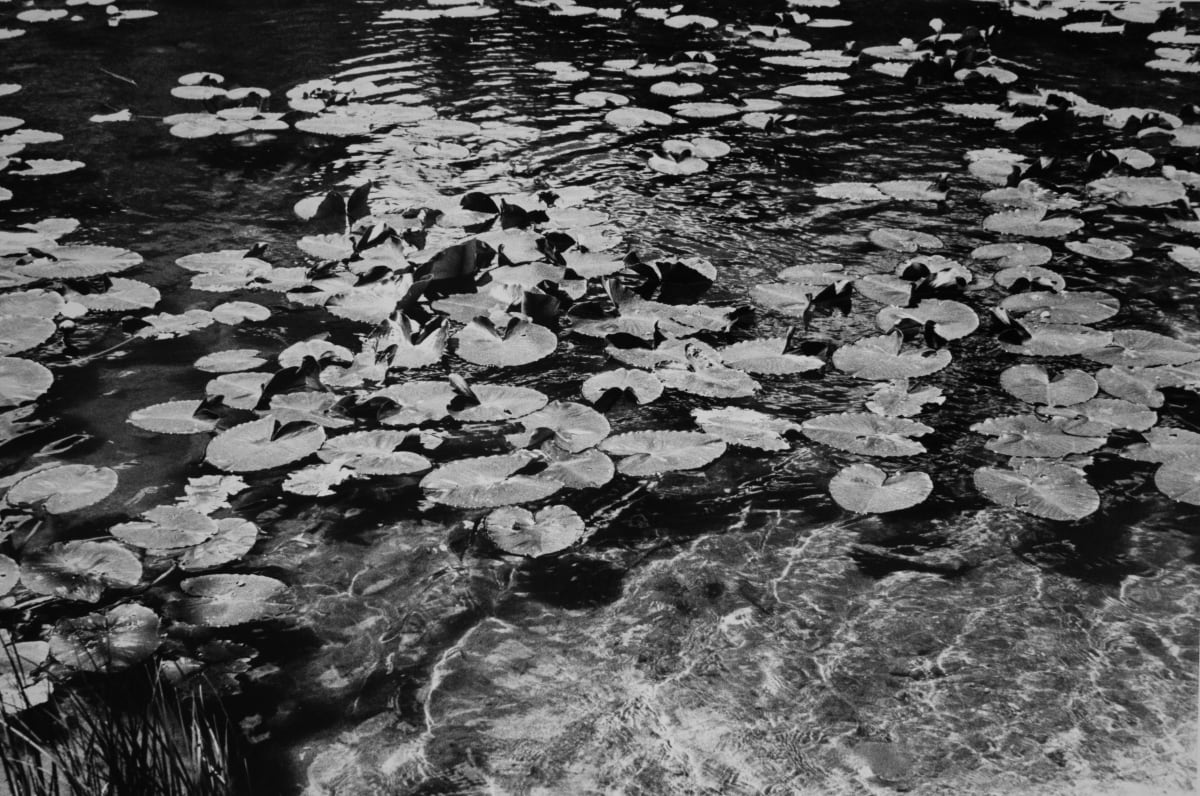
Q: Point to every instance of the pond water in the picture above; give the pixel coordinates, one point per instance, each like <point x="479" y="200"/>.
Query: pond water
<point x="726" y="628"/>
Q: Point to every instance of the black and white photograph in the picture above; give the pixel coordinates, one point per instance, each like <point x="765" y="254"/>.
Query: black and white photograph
<point x="599" y="397"/>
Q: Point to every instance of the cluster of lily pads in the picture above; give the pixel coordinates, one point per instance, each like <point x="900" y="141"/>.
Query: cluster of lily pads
<point x="73" y="11"/>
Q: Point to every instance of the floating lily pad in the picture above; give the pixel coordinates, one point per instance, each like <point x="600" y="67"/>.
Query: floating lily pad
<point x="10" y="574"/>
<point x="520" y="343"/>
<point x="868" y="434"/>
<point x="1133" y="384"/>
<point x="1137" y="191"/>
<point x="591" y="468"/>
<point x="373" y="453"/>
<point x="705" y="110"/>
<point x="1043" y="489"/>
<point x="521" y="532"/>
<point x="80" y="570"/>
<point x="642" y="386"/>
<point x="166" y="527"/>
<point x="1179" y="479"/>
<point x="64" y="488"/>
<point x="1066" y="307"/>
<point x="263" y="444"/>
<point x="234" y="538"/>
<point x="22" y="381"/>
<point x="234" y="312"/>
<point x="1031" y="223"/>
<point x="1012" y="254"/>
<point x="708" y="380"/>
<point x="1141" y="348"/>
<point x="1033" y="385"/>
<point x="1099" y="417"/>
<point x="1031" y="436"/>
<point x="767" y="356"/>
<point x="653" y="452"/>
<point x="1100" y="249"/>
<point x="1165" y="444"/>
<point x="123" y="295"/>
<point x="571" y="426"/>
<point x="950" y="319"/>
<point x="745" y="427"/>
<point x="491" y="403"/>
<point x="229" y="600"/>
<point x="894" y="399"/>
<point x="488" y="481"/>
<point x="18" y="689"/>
<point x="44" y="167"/>
<point x="904" y="240"/>
<point x="230" y="361"/>
<point x="630" y="117"/>
<point x="20" y="333"/>
<point x="1187" y="256"/>
<point x="865" y="489"/>
<point x="106" y="642"/>
<point x="881" y="357"/>
<point x="317" y="480"/>
<point x="174" y="417"/>
<point x="1059" y="340"/>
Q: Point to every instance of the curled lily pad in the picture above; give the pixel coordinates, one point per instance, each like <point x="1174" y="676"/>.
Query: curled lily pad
<point x="745" y="427"/>
<point x="642" y="386"/>
<point x="904" y="240"/>
<point x="866" y="489"/>
<point x="234" y="539"/>
<point x="1044" y="489"/>
<point x="106" y="642"/>
<point x="1033" y="385"/>
<point x="228" y="600"/>
<point x="174" y="417"/>
<point x="80" y="570"/>
<point x="263" y="444"/>
<point x="1031" y="436"/>
<point x="881" y="357"/>
<point x="22" y="381"/>
<point x="488" y="481"/>
<point x="950" y="319"/>
<point x="519" y="343"/>
<point x="1179" y="479"/>
<point x="895" y="399"/>
<point x="1141" y="348"/>
<point x="65" y="488"/>
<point x="590" y="468"/>
<point x="521" y="532"/>
<point x="655" y="452"/>
<point x="866" y="433"/>
<point x="166" y="527"/>
<point x="373" y="453"/>
<point x="1065" y="307"/>
<point x="571" y="426"/>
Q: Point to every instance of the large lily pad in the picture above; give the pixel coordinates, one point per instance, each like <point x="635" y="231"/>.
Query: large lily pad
<point x="519" y="343"/>
<point x="769" y="357"/>
<point x="373" y="453"/>
<point x="590" y="468"/>
<point x="1044" y="489"/>
<point x="571" y="426"/>
<point x="1031" y="436"/>
<point x="491" y="403"/>
<point x="1099" y="417"/>
<point x="710" y="380"/>
<point x="106" y="642"/>
<point x="866" y="433"/>
<point x="22" y="381"/>
<point x="1141" y="348"/>
<point x="1033" y="385"/>
<point x="80" y="570"/>
<point x="234" y="538"/>
<point x="174" y="417"/>
<point x="653" y="452"/>
<point x="1059" y="340"/>
<point x="1179" y="479"/>
<point x="745" y="427"/>
<point x="1164" y="445"/>
<point x="166" y="527"/>
<point x="866" y="489"/>
<point x="881" y="357"/>
<point x="227" y="600"/>
<point x="643" y="387"/>
<point x="64" y="488"/>
<point x="20" y="333"/>
<point x="521" y="532"/>
<point x="1031" y="222"/>
<point x="1137" y="191"/>
<point x="950" y="319"/>
<point x="904" y="240"/>
<point x="1065" y="307"/>
<point x="263" y="444"/>
<point x="488" y="481"/>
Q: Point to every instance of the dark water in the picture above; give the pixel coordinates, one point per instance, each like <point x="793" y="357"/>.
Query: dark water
<point x="726" y="630"/>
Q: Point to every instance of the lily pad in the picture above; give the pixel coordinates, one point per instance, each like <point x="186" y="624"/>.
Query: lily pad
<point x="1031" y="436"/>
<point x="22" y="381"/>
<point x="745" y="427"/>
<point x="1059" y="340"/>
<point x="571" y="426"/>
<point x="64" y="488"/>
<point x="488" y="481"/>
<point x="234" y="538"/>
<point x="373" y="453"/>
<point x="768" y="357"/>
<point x="866" y="433"/>
<point x="80" y="570"/>
<point x="10" y="574"/>
<point x="1031" y="223"/>
<point x="1099" y="417"/>
<point x="591" y="468"/>
<point x="642" y="386"/>
<point x="866" y="489"/>
<point x="1033" y="385"/>
<point x="174" y="417"/>
<point x="263" y="444"/>
<point x="521" y="532"/>
<point x="1136" y="384"/>
<point x="904" y="240"/>
<point x="165" y="528"/>
<point x="1141" y="348"/>
<point x="20" y="333"/>
<point x="230" y="361"/>
<point x="1179" y="479"/>
<point x="519" y="343"/>
<point x="630" y="117"/>
<point x="1100" y="249"/>
<point x="894" y="399"/>
<point x="951" y="319"/>
<point x="1013" y="254"/>
<point x="1044" y="489"/>
<point x="1066" y="307"/>
<point x="106" y="642"/>
<point x="881" y="357"/>
<point x="1165" y="444"/>
<point x="653" y="452"/>
<point x="707" y="380"/>
<point x="1137" y="191"/>
<point x="229" y="600"/>
<point x="492" y="403"/>
<point x="123" y="295"/>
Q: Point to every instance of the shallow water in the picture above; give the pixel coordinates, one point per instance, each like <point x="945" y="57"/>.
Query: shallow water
<point x="725" y="630"/>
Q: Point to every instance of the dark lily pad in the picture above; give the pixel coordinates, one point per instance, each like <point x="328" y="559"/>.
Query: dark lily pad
<point x="80" y="570"/>
<point x="1033" y="385"/>
<point x="521" y="532"/>
<point x="1031" y="436"/>
<point x="1043" y="489"/>
<point x="106" y="642"/>
<point x="64" y="488"/>
<point x="745" y="427"/>
<point x="488" y="481"/>
<point x="881" y="357"/>
<point x="866" y="433"/>
<point x="866" y="489"/>
<point x="263" y="444"/>
<point x="229" y="600"/>
<point x="647" y="453"/>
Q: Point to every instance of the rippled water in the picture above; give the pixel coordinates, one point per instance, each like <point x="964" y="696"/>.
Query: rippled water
<point x="729" y="630"/>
